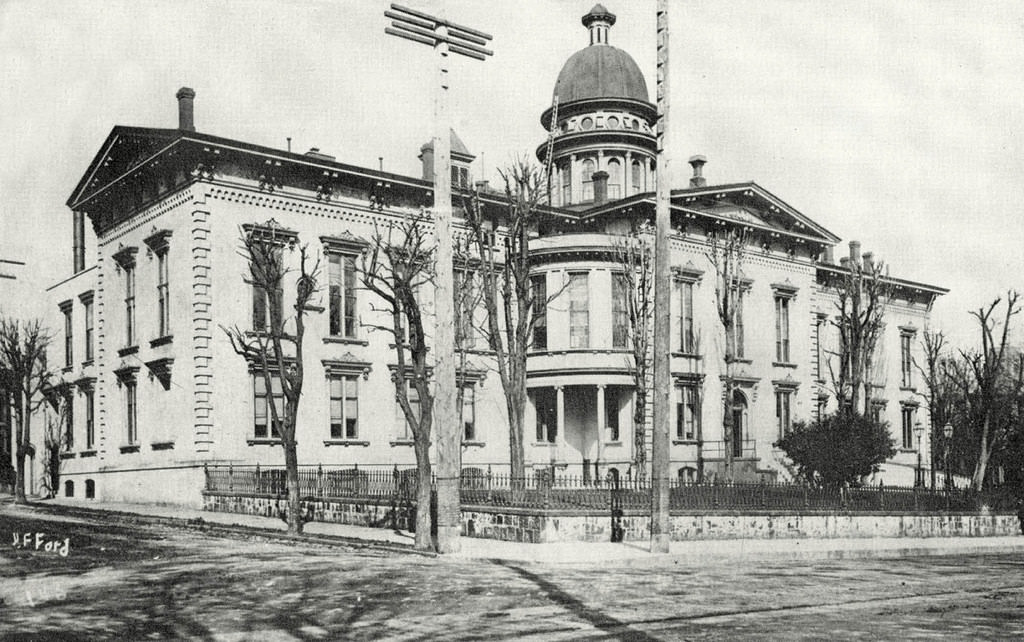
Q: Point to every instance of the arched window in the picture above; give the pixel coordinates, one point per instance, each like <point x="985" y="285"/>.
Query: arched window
<point x="588" y="180"/>
<point x="638" y="177"/>
<point x="69" y="488"/>
<point x="566" y="183"/>
<point x="687" y="475"/>
<point x="614" y="179"/>
<point x="90" y="489"/>
<point x="612" y="477"/>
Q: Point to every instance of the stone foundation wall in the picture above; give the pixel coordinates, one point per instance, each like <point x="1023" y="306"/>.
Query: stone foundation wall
<point x="539" y="526"/>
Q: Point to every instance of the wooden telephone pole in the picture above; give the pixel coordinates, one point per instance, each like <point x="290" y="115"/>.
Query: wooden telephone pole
<point x="660" y="527"/>
<point x="445" y="37"/>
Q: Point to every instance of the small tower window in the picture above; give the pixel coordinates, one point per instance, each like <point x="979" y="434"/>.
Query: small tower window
<point x="638" y="177"/>
<point x="588" y="180"/>
<point x="614" y="179"/>
<point x="587" y="123"/>
<point x="613" y="122"/>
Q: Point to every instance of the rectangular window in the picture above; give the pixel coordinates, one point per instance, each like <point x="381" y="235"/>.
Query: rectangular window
<point x="69" y="419"/>
<point x="129" y="305"/>
<point x="539" y="283"/>
<point x="579" y="313"/>
<point x="687" y="338"/>
<point x="463" y="298"/>
<point x="88" y="331"/>
<point x="782" y="329"/>
<point x="344" y="406"/>
<point x="820" y="407"/>
<point x="162" y="298"/>
<point x="611" y="412"/>
<point x="620" y="311"/>
<point x="819" y="353"/>
<point x="566" y="184"/>
<point x="131" y="411"/>
<point x="90" y="418"/>
<point x="414" y="403"/>
<point x="783" y="417"/>
<point x="876" y="412"/>
<point x="69" y="342"/>
<point x="342" y="294"/>
<point x="687" y="402"/>
<point x="908" y="426"/>
<point x="469" y="413"/>
<point x="263" y="425"/>
<point x="906" y="361"/>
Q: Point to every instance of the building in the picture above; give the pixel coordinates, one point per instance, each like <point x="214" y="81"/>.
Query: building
<point x="156" y="390"/>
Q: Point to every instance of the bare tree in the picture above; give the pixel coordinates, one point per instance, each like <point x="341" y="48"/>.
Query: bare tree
<point x="726" y="252"/>
<point x="635" y="255"/>
<point x="275" y="346"/>
<point x="939" y="393"/>
<point x="56" y="436"/>
<point x="984" y="373"/>
<point x="23" y="347"/>
<point x="514" y="307"/>
<point x="862" y="294"/>
<point x="399" y="263"/>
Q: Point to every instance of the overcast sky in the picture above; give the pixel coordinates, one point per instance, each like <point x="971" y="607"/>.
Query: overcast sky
<point x="897" y="123"/>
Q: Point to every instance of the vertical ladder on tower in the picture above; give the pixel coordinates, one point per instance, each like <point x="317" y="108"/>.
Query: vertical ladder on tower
<point x="552" y="128"/>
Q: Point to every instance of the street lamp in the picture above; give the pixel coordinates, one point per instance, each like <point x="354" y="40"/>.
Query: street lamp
<point x="947" y="432"/>
<point x="919" y="473"/>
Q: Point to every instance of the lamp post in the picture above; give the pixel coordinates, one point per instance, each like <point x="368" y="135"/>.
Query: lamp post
<point x="947" y="432"/>
<point x="919" y="473"/>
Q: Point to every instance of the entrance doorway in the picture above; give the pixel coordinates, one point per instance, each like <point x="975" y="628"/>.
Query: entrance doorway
<point x="739" y="412"/>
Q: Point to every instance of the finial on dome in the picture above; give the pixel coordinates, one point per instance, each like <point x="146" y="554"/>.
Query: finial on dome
<point x="598" y="20"/>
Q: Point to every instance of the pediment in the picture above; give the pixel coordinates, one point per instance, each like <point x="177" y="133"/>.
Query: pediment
<point x="125" y="149"/>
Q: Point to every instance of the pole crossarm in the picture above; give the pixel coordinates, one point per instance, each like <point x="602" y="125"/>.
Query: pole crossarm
<point x="423" y="28"/>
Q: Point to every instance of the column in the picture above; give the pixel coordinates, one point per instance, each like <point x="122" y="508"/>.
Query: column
<point x="627" y="176"/>
<point x="575" y="181"/>
<point x="559" y="424"/>
<point x="601" y="428"/>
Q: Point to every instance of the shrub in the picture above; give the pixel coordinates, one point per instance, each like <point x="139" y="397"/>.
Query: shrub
<point x="838" y="449"/>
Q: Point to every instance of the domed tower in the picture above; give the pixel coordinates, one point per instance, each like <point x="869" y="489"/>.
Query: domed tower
<point x="605" y="123"/>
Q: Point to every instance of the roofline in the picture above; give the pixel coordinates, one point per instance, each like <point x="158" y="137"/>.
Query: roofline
<point x="934" y="289"/>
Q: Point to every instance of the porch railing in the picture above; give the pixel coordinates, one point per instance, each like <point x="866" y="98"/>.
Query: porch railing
<point x="545" y="490"/>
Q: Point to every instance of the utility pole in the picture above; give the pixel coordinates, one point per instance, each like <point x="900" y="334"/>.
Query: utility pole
<point x="445" y="37"/>
<point x="10" y="262"/>
<point x="660" y="527"/>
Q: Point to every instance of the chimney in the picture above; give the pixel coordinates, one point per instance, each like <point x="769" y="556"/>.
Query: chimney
<point x="483" y="186"/>
<point x="844" y="261"/>
<point x="855" y="252"/>
<point x="185" y="121"/>
<point x="829" y="255"/>
<point x="697" y="163"/>
<point x="869" y="261"/>
<point x="427" y="156"/>
<point x="600" y="179"/>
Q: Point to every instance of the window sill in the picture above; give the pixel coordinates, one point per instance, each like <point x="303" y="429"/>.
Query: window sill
<point x="473" y="443"/>
<point x="908" y="389"/>
<point x="346" y="340"/>
<point x="161" y="341"/>
<point x="87" y="453"/>
<point x="783" y="364"/>
<point x="685" y="442"/>
<point x="402" y="442"/>
<point x="267" y="334"/>
<point x="130" y="448"/>
<point x="67" y="455"/>
<point x="263" y="441"/>
<point x="615" y="442"/>
<point x="345" y="442"/>
<point x="162" y="445"/>
<point x="124" y="352"/>
<point x="743" y="360"/>
<point x="907" y="450"/>
<point x="543" y="444"/>
<point x="87" y="364"/>
<point x="688" y="355"/>
<point x="67" y="368"/>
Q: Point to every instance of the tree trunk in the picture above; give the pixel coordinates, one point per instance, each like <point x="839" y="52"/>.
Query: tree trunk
<point x="516" y="405"/>
<point x="424" y="492"/>
<point x="291" y="462"/>
<point x="19" y="482"/>
<point x="727" y="427"/>
<point x="640" y="431"/>
<point x="24" y="430"/>
<point x="978" y="480"/>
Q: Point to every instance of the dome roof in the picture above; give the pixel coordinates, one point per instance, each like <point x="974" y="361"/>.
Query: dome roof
<point x="600" y="71"/>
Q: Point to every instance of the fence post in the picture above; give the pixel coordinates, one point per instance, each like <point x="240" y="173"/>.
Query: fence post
<point x="206" y="475"/>
<point x="490" y="482"/>
<point x="915" y="500"/>
<point x="257" y="480"/>
<point x="320" y="480"/>
<point x="881" y="495"/>
<point x="763" y="492"/>
<point x="231" y="477"/>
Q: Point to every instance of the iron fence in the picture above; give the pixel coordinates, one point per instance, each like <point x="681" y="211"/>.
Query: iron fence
<point x="547" y="490"/>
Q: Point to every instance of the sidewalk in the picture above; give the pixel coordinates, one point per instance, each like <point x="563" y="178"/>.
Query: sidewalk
<point x="689" y="553"/>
